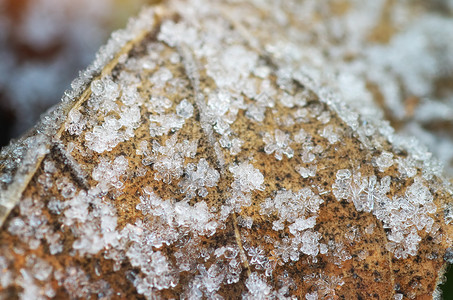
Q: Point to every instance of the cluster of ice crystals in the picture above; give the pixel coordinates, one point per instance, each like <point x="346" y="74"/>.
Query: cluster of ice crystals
<point x="159" y="104"/>
<point x="299" y="209"/>
<point x="325" y="285"/>
<point x="180" y="215"/>
<point x="204" y="176"/>
<point x="246" y="177"/>
<point x="162" y="123"/>
<point x="245" y="221"/>
<point x="107" y="136"/>
<point x="33" y="277"/>
<point x="263" y="99"/>
<point x="6" y="275"/>
<point x="119" y="122"/>
<point x="105" y="88"/>
<point x="78" y="284"/>
<point x="290" y="206"/>
<point x="108" y="174"/>
<point x="161" y="77"/>
<point x="233" y="64"/>
<point x="258" y="258"/>
<point x="364" y="192"/>
<point x="404" y="216"/>
<point x="33" y="226"/>
<point x="168" y="160"/>
<point x="257" y="287"/>
<point x="406" y="166"/>
<point x="207" y="283"/>
<point x="278" y="143"/>
<point x="307" y="172"/>
<point x="331" y="133"/>
<point x="175" y="34"/>
<point x="156" y="271"/>
<point x="309" y="151"/>
<point x="66" y="188"/>
<point x="76" y="123"/>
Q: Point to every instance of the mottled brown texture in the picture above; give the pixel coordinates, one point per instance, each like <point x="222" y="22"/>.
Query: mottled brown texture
<point x="378" y="276"/>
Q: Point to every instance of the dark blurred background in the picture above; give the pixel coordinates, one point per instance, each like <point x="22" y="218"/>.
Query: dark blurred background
<point x="43" y="45"/>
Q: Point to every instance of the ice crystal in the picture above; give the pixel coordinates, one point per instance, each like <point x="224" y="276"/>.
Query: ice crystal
<point x="184" y="109"/>
<point x="403" y="215"/>
<point x="157" y="273"/>
<point x="196" y="218"/>
<point x="107" y="136"/>
<point x="279" y="143"/>
<point x="159" y="104"/>
<point x="257" y="288"/>
<point x="325" y="285"/>
<point x="204" y="176"/>
<point x="233" y="64"/>
<point x="33" y="226"/>
<point x="289" y="205"/>
<point x="169" y="159"/>
<point x="207" y="78"/>
<point x="246" y="177"/>
<point x="331" y="133"/>
<point x="163" y="124"/>
<point x="307" y="172"/>
<point x="108" y="174"/>
<point x="384" y="161"/>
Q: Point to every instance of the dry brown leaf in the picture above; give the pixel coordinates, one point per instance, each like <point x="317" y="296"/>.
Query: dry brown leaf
<point x="202" y="156"/>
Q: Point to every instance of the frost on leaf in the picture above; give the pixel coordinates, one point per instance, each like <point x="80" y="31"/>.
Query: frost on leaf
<point x="197" y="218"/>
<point x="404" y="215"/>
<point x="163" y="173"/>
<point x="257" y="288"/>
<point x="198" y="180"/>
<point x="108" y="174"/>
<point x="246" y="178"/>
<point x="168" y="160"/>
<point x="278" y="143"/>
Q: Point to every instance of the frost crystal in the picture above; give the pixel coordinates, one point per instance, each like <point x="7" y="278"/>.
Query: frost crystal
<point x="203" y="177"/>
<point x="289" y="205"/>
<point x="384" y="161"/>
<point x="257" y="288"/>
<point x="169" y="159"/>
<point x="196" y="218"/>
<point x="157" y="271"/>
<point x="108" y="174"/>
<point x="235" y="63"/>
<point x="331" y="134"/>
<point x="246" y="178"/>
<point x="403" y="215"/>
<point x="184" y="109"/>
<point x="307" y="172"/>
<point x="279" y="143"/>
<point x="190" y="219"/>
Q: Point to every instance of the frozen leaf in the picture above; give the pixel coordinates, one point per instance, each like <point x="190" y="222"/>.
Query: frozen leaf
<point x="231" y="150"/>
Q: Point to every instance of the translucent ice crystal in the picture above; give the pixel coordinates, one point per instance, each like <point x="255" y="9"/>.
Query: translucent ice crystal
<point x="257" y="287"/>
<point x="204" y="176"/>
<point x="169" y="159"/>
<point x="246" y="177"/>
<point x="108" y="174"/>
<point x="384" y="161"/>
<point x="278" y="143"/>
<point x="184" y="109"/>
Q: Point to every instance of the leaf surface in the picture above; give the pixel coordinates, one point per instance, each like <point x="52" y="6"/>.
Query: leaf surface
<point x="207" y="153"/>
